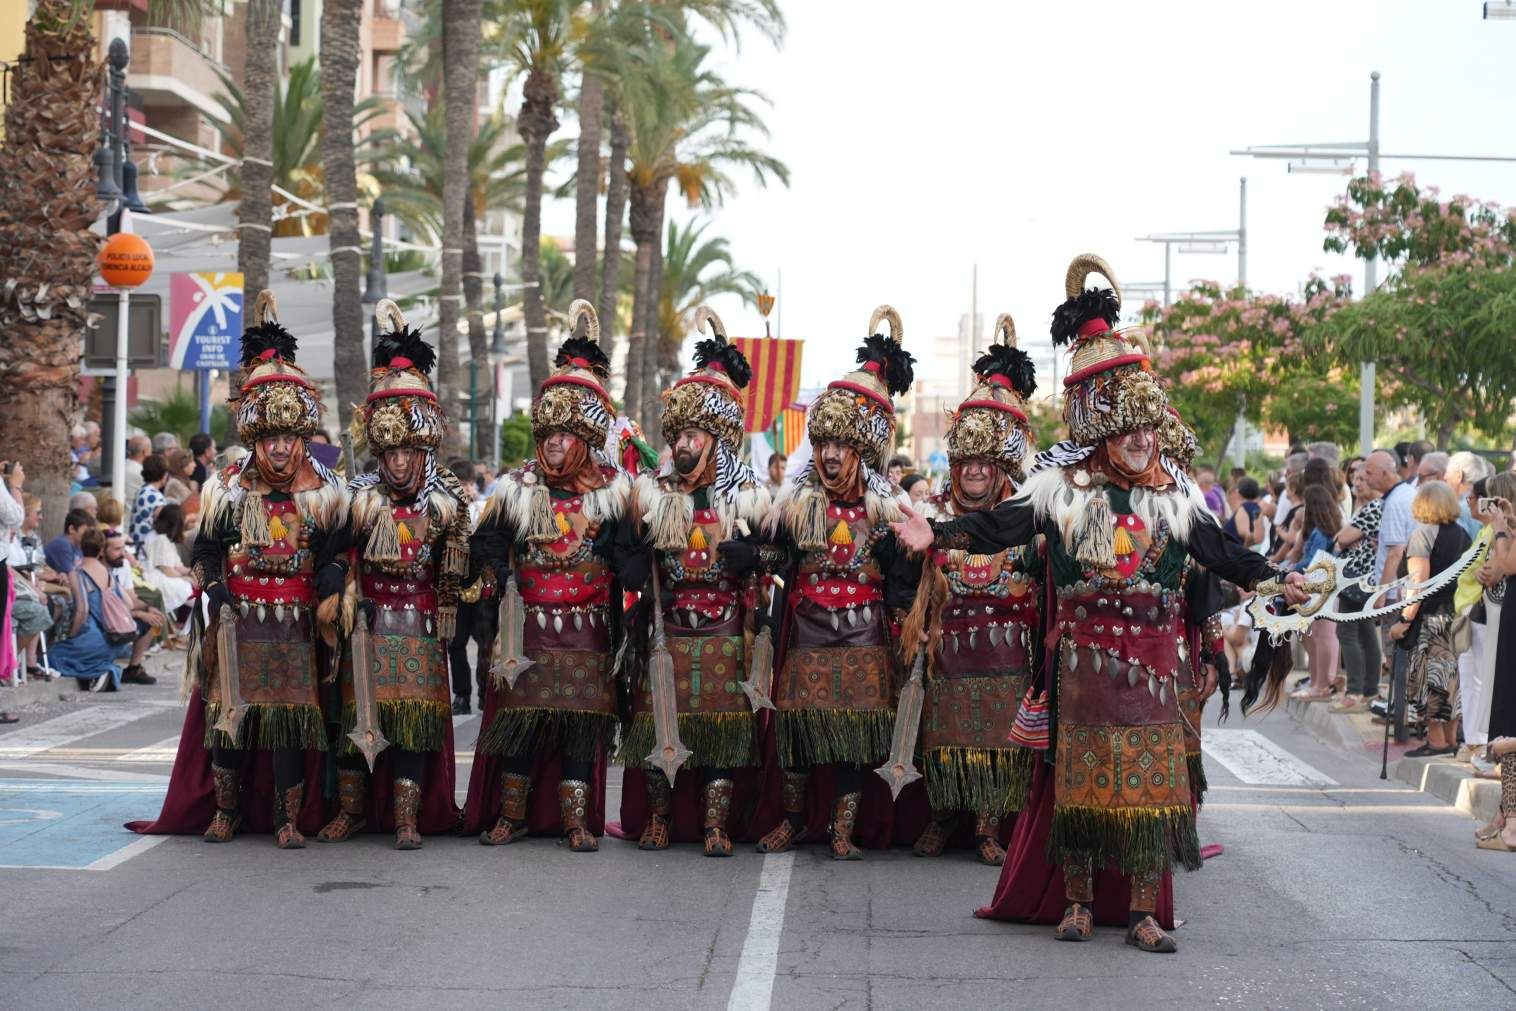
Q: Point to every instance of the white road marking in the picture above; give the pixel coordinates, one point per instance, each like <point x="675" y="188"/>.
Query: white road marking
<point x="754" y="987"/>
<point x="125" y="853"/>
<point x="81" y="772"/>
<point x="70" y="727"/>
<point x="163" y="751"/>
<point x="1255" y="759"/>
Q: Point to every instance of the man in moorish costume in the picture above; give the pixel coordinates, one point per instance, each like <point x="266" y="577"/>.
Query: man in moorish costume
<point x="409" y="533"/>
<point x="1120" y="521"/>
<point x="700" y="515"/>
<point x="982" y="613"/>
<point x="271" y="528"/>
<point x="846" y="578"/>
<point x="553" y="523"/>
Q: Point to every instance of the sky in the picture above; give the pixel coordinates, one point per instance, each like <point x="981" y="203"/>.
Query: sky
<point x="923" y="139"/>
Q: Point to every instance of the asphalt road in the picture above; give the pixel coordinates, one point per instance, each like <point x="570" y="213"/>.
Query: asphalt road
<point x="1335" y="889"/>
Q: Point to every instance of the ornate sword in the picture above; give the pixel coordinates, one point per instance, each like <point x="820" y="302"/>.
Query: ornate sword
<point x="668" y="751"/>
<point x="233" y="709"/>
<point x="366" y="735"/>
<point x="899" y="770"/>
<point x="759" y="685"/>
<point x="1325" y="581"/>
<point x="511" y="661"/>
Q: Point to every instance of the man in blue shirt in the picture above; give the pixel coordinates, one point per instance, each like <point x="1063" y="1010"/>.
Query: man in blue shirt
<point x="62" y="552"/>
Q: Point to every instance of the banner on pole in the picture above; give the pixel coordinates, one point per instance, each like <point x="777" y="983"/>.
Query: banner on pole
<point x="776" y="378"/>
<point x="205" y="320"/>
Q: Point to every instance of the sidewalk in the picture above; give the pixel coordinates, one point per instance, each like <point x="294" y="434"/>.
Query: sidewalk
<point x="1452" y="782"/>
<point x="164" y="665"/>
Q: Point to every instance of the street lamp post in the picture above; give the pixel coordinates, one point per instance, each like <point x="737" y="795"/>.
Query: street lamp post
<point x="497" y="355"/>
<point x="1339" y="158"/>
<point x="376" y="287"/>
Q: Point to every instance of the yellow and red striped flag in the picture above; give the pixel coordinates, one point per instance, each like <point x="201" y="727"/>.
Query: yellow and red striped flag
<point x="776" y="378"/>
<point x="791" y="429"/>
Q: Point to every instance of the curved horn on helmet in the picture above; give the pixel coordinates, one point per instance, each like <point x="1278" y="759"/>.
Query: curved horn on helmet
<point x="706" y="314"/>
<point x="1005" y="330"/>
<point x="887" y="312"/>
<point x="1083" y="266"/>
<point x="265" y="308"/>
<point x="388" y="311"/>
<point x="581" y="309"/>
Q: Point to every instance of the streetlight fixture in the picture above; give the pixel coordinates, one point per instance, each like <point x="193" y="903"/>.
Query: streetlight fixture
<point x="1500" y="10"/>
<point x="1345" y="154"/>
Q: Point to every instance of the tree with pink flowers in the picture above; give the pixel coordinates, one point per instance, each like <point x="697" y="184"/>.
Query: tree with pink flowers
<point x="1441" y="327"/>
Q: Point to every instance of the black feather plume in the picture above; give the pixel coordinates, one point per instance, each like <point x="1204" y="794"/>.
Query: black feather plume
<point x="718" y="350"/>
<point x="260" y="338"/>
<point x="408" y="343"/>
<point x="583" y="347"/>
<point x="1013" y="363"/>
<point x="895" y="362"/>
<point x="1093" y="303"/>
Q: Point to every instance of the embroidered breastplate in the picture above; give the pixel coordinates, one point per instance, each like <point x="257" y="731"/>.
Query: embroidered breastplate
<point x="845" y="574"/>
<point x="281" y="572"/>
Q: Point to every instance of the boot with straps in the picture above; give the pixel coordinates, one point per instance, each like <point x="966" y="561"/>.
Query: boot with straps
<point x="511" y="825"/>
<point x="350" y="819"/>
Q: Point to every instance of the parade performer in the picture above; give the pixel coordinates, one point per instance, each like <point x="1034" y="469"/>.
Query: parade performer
<point x="409" y="534"/>
<point x="700" y="515"/>
<point x="846" y="580"/>
<point x="1119" y="519"/>
<point x="982" y="612"/>
<point x="271" y="530"/>
<point x="552" y="524"/>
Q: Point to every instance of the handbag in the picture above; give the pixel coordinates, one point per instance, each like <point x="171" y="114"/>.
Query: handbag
<point x="120" y="626"/>
<point x="1031" y="727"/>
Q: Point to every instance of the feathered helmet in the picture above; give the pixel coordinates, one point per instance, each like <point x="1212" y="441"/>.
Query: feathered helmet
<point x="1110" y="388"/>
<point x="1176" y="440"/>
<point x="857" y="409"/>
<point x="992" y="423"/>
<point x="401" y="411"/>
<point x="574" y="399"/>
<point x="710" y="397"/>
<point x="274" y="395"/>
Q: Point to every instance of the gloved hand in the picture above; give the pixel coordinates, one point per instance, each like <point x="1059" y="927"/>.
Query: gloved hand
<point x="330" y="580"/>
<point x="739" y="557"/>
<point x="217" y="595"/>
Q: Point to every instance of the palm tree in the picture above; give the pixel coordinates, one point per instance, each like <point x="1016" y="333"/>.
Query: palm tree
<point x="339" y="79"/>
<point x="461" y="22"/>
<point x="538" y="36"/>
<point x="695" y="270"/>
<point x="296" y="128"/>
<point x="260" y="78"/>
<point x="687" y="126"/>
<point x="47" y="251"/>
<point x="587" y="181"/>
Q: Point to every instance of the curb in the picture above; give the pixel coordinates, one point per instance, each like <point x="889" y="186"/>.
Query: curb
<point x="1453" y="783"/>
<point x="33" y="692"/>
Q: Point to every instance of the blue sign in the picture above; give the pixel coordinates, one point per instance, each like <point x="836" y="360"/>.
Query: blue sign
<point x="205" y="320"/>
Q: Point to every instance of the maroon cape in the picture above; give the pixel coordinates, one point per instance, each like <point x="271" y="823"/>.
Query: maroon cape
<point x="482" y="808"/>
<point x="1031" y="888"/>
<point x="191" y="799"/>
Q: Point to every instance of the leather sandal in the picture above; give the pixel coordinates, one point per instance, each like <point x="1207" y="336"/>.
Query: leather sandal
<point x="1146" y="935"/>
<point x="1078" y="923"/>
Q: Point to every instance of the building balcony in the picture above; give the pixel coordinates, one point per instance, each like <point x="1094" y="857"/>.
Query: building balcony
<point x="387" y="34"/>
<point x="168" y="69"/>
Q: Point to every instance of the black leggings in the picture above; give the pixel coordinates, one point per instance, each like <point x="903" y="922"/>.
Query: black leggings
<point x="289" y="764"/>
<point x="474" y="622"/>
<point x="579" y="769"/>
<point x="404" y="764"/>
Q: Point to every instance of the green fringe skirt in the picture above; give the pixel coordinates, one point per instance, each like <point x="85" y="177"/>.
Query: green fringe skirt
<point x="810" y="737"/>
<point x="269" y="727"/>
<point x="980" y="780"/>
<point x="577" y="734"/>
<point x="715" y="740"/>
<point x="408" y="724"/>
<point x="1137" y="840"/>
<point x="1198" y="785"/>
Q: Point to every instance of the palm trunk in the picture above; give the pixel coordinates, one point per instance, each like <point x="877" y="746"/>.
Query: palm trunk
<point x="339" y="77"/>
<point x="615" y="213"/>
<point x="478" y="344"/>
<point x="652" y="353"/>
<point x="587" y="186"/>
<point x="255" y="208"/>
<point x="460" y="82"/>
<point x="536" y="123"/>
<point x="644" y="224"/>
<point x="47" y="252"/>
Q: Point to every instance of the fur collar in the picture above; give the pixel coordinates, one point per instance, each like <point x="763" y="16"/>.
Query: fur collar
<point x="667" y="514"/>
<point x="523" y="502"/>
<point x="801" y="510"/>
<point x="1054" y="497"/>
<point x="325" y="505"/>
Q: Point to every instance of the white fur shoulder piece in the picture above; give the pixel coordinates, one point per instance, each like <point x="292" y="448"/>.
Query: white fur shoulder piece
<point x="523" y="500"/>
<point x="1054" y="494"/>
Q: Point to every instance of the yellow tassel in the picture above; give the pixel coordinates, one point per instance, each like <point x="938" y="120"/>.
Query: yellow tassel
<point x="697" y="539"/>
<point x="403" y="532"/>
<point x="841" y="534"/>
<point x="1123" y="542"/>
<point x="564" y="529"/>
<point x="276" y="528"/>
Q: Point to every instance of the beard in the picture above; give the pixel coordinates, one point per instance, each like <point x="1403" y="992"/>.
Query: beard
<point x="686" y="462"/>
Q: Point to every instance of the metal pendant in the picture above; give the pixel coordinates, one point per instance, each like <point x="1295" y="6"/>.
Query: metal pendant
<point x="1131" y="676"/>
<point x="1096" y="661"/>
<point x="279" y="613"/>
<point x="994" y="636"/>
<point x="557" y="623"/>
<point x="972" y="634"/>
<point x="1152" y="684"/>
<point x="542" y="619"/>
<point x="578" y="621"/>
<point x="955" y="642"/>
<point x="836" y="624"/>
<point x="245" y="608"/>
<point x="868" y="615"/>
<point x="1163" y="690"/>
<point x="852" y="618"/>
<point x="262" y="614"/>
<point x="431" y="626"/>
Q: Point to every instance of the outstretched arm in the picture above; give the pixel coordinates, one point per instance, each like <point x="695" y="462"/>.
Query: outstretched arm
<point x="1009" y="525"/>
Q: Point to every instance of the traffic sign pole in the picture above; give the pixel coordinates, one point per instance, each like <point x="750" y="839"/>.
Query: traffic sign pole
<point x="118" y="450"/>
